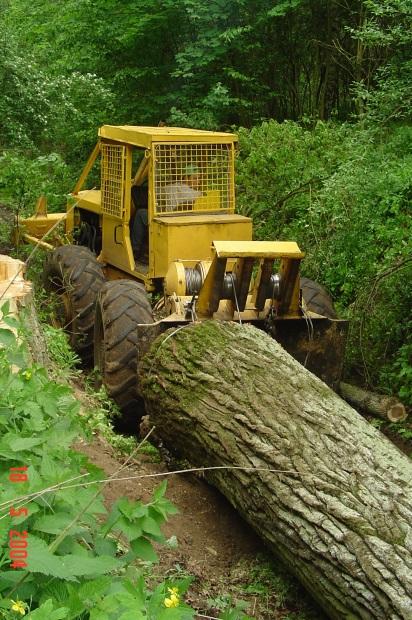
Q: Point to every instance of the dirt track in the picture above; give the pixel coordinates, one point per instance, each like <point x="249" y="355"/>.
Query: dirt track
<point x="215" y="546"/>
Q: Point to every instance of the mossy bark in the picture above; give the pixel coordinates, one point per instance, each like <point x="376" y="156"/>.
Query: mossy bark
<point x="338" y="510"/>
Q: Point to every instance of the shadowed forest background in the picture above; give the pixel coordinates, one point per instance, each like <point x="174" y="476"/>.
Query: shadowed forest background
<point x="318" y="90"/>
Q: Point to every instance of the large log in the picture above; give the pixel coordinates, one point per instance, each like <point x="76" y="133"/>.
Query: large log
<point x="338" y="510"/>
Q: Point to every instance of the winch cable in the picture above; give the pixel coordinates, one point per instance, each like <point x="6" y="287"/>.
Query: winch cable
<point x="235" y="296"/>
<point x="309" y="326"/>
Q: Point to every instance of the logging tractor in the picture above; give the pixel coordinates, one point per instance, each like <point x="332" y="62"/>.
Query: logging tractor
<point x="163" y="227"/>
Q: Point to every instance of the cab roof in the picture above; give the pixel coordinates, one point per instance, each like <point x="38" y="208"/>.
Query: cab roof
<point x="145" y="136"/>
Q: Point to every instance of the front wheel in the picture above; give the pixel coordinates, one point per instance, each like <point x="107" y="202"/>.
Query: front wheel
<point x="121" y="306"/>
<point x="74" y="277"/>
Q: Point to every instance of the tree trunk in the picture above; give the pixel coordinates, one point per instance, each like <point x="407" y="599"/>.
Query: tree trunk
<point x="386" y="407"/>
<point x="338" y="507"/>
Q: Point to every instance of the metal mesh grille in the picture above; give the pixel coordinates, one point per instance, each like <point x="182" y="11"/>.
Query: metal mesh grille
<point x="192" y="177"/>
<point x="113" y="162"/>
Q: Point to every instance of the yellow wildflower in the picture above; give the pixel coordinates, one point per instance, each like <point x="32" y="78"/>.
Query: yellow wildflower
<point x="19" y="606"/>
<point x="172" y="600"/>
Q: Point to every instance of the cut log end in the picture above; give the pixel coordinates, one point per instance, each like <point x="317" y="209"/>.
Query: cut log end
<point x="397" y="413"/>
<point x="18" y="293"/>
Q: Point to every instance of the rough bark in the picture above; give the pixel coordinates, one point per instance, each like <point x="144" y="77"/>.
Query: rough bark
<point x="338" y="508"/>
<point x="386" y="407"/>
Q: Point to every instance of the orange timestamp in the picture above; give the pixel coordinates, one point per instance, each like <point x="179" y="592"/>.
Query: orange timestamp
<point x="18" y="543"/>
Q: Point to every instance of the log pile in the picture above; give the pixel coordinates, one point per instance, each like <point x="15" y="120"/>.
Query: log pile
<point x="327" y="492"/>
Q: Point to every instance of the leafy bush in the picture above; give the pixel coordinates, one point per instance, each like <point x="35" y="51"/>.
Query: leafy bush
<point x="82" y="562"/>
<point x="23" y="178"/>
<point x="344" y="194"/>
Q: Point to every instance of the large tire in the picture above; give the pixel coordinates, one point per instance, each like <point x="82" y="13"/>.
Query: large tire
<point x="121" y="306"/>
<point x="75" y="277"/>
<point x="317" y="299"/>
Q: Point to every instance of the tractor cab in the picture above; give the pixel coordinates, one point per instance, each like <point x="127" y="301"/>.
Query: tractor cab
<point x="184" y="178"/>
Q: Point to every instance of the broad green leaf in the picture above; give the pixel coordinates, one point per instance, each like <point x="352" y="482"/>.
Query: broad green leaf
<point x="160" y="490"/>
<point x="93" y="589"/>
<point x="149" y="526"/>
<point x="46" y="612"/>
<point x="7" y="338"/>
<point x="176" y="613"/>
<point x="125" y="506"/>
<point x="56" y="523"/>
<point x="144" y="550"/>
<point x="5" y="308"/>
<point x="131" y="529"/>
<point x="11" y="321"/>
<point x="41" y="560"/>
<point x="105" y="546"/>
<point x="18" y="444"/>
<point x="89" y="566"/>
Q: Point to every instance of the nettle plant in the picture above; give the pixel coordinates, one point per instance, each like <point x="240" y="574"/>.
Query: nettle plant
<point x="72" y="559"/>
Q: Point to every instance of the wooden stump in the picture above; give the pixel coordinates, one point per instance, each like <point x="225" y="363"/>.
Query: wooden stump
<point x="18" y="292"/>
<point x="330" y="494"/>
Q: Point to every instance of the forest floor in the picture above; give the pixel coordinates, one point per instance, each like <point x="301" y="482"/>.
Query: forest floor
<point x="208" y="541"/>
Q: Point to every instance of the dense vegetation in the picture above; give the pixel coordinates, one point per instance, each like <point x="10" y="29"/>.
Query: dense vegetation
<point x="320" y="92"/>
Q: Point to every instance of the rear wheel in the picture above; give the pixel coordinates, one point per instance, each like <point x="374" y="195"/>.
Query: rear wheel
<point x="121" y="306"/>
<point x="317" y="299"/>
<point x="74" y="277"/>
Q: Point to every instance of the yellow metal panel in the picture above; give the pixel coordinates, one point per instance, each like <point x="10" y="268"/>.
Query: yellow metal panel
<point x="142" y="171"/>
<point x="70" y="220"/>
<point x="210" y="201"/>
<point x="144" y="136"/>
<point x="258" y="249"/>
<point x="39" y="242"/>
<point x="37" y="226"/>
<point x="204" y="218"/>
<point x="89" y="199"/>
<point x="116" y="246"/>
<point x="192" y="241"/>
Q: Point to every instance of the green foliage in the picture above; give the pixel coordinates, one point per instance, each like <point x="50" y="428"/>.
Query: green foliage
<point x="385" y="33"/>
<point x="64" y="360"/>
<point x="71" y="543"/>
<point x="82" y="563"/>
<point x="24" y="178"/>
<point x="344" y="193"/>
<point x="215" y="64"/>
<point x="281" y="169"/>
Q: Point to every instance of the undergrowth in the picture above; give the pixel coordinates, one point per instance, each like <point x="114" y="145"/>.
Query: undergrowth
<point x="63" y="555"/>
